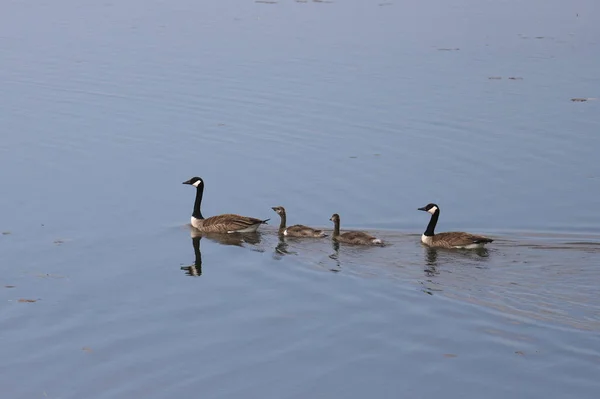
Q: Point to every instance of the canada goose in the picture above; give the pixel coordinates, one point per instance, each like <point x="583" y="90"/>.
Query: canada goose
<point x="296" y="230"/>
<point x="455" y="239"/>
<point x="352" y="237"/>
<point x="226" y="223"/>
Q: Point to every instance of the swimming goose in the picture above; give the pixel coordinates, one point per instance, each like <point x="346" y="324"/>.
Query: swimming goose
<point x="226" y="223"/>
<point x="296" y="230"/>
<point x="455" y="239"/>
<point x="352" y="237"/>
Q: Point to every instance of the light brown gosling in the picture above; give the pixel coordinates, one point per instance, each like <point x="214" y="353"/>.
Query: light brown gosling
<point x="352" y="237"/>
<point x="296" y="230"/>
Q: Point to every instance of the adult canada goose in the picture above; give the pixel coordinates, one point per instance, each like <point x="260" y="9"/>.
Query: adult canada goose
<point x="454" y="239"/>
<point x="227" y="223"/>
<point x="352" y="237"/>
<point x="296" y="230"/>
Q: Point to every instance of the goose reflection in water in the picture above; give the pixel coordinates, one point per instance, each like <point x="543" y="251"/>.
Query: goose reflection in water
<point x="281" y="249"/>
<point x="433" y="256"/>
<point x="431" y="260"/>
<point x="195" y="269"/>
<point x="459" y="261"/>
<point x="335" y="256"/>
<point x="235" y="239"/>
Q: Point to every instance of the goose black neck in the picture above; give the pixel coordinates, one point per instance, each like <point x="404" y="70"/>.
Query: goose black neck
<point x="336" y="228"/>
<point x="430" y="232"/>
<point x="283" y="221"/>
<point x="197" y="212"/>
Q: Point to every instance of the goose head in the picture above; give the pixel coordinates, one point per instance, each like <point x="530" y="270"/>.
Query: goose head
<point x="335" y="218"/>
<point x="279" y="210"/>
<point x="430" y="208"/>
<point x="195" y="181"/>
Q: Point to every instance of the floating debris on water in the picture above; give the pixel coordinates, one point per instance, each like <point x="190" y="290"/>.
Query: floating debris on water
<point x="495" y="77"/>
<point x="582" y="99"/>
<point x="5" y="233"/>
<point x="515" y="78"/>
<point x="87" y="349"/>
<point x="23" y="300"/>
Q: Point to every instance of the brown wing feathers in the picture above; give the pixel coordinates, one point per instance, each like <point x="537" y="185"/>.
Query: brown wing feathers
<point x="230" y="222"/>
<point x="459" y="239"/>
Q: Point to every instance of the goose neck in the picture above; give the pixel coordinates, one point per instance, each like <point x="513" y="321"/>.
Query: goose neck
<point x="336" y="228"/>
<point x="197" y="212"/>
<point x="430" y="232"/>
<point x="283" y="221"/>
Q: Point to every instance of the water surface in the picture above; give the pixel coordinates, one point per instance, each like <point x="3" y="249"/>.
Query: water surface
<point x="367" y="109"/>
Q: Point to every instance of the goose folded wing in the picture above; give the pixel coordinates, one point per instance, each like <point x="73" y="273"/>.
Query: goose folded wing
<point x="457" y="238"/>
<point x="231" y="221"/>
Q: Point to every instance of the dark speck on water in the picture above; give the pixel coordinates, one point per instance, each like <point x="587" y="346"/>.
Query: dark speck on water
<point x="107" y="108"/>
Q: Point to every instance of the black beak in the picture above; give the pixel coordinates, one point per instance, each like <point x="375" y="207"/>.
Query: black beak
<point x="275" y="209"/>
<point x="422" y="209"/>
<point x="187" y="182"/>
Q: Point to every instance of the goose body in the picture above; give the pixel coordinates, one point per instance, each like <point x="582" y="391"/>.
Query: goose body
<point x="453" y="239"/>
<point x="226" y="223"/>
<point x="352" y="237"/>
<point x="297" y="230"/>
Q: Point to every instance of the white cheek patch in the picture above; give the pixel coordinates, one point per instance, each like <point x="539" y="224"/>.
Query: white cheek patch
<point x="197" y="183"/>
<point x="432" y="210"/>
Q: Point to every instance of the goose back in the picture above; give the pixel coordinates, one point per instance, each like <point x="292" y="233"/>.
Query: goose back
<point x="299" y="230"/>
<point x="228" y="223"/>
<point x="357" y="238"/>
<point x="456" y="239"/>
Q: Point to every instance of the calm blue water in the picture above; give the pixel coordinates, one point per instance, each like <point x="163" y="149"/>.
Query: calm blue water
<point x="367" y="109"/>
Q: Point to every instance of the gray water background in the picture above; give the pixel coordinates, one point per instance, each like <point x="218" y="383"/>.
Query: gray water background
<point x="367" y="109"/>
